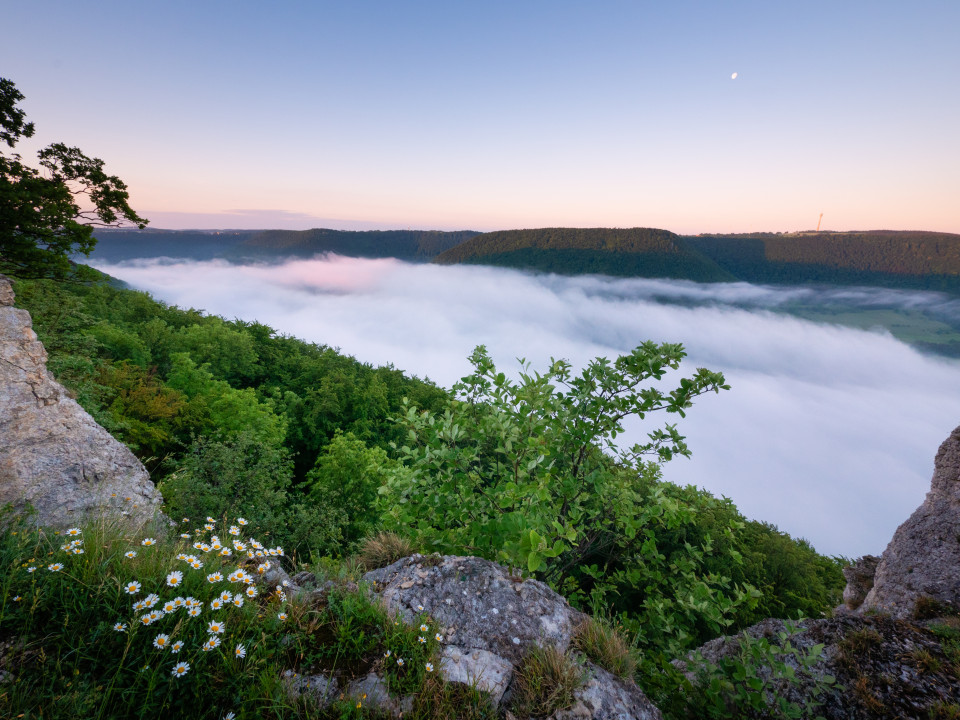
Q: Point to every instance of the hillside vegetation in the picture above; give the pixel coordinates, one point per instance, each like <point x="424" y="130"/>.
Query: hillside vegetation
<point x="320" y="452"/>
<point x="641" y="252"/>
<point x="241" y="245"/>
<point x="922" y="260"/>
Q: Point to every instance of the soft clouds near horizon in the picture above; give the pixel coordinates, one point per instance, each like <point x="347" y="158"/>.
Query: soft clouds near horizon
<point x="827" y="432"/>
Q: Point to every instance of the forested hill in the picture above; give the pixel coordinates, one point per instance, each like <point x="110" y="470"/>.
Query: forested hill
<point x="117" y="245"/>
<point x="413" y="245"/>
<point x="907" y="259"/>
<point x="912" y="259"/>
<point x="643" y="252"/>
<point x="240" y="245"/>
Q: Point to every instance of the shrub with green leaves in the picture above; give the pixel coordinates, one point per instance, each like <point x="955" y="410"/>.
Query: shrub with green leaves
<point x="529" y="473"/>
<point x="754" y="681"/>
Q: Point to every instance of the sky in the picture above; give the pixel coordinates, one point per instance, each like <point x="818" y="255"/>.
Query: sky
<point x="827" y="432"/>
<point x="498" y="115"/>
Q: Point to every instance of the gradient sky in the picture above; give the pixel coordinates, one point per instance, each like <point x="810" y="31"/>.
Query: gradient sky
<point x="505" y="114"/>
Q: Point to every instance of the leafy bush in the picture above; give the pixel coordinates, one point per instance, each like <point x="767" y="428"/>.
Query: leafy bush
<point x="347" y="477"/>
<point x="529" y="474"/>
<point x="754" y="683"/>
<point x="220" y="478"/>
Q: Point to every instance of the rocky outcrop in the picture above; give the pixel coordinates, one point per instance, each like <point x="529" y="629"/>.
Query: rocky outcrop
<point x="53" y="455"/>
<point x="859" y="576"/>
<point x="489" y="620"/>
<point x="923" y="558"/>
<point x="884" y="668"/>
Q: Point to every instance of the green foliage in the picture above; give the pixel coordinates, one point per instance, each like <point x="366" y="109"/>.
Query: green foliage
<point x="754" y="682"/>
<point x="78" y="642"/>
<point x="347" y="478"/>
<point x="42" y="222"/>
<point x="529" y="474"/>
<point x="220" y="478"/>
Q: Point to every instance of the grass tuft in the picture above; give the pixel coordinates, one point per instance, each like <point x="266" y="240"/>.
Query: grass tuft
<point x="605" y="645"/>
<point x="383" y="549"/>
<point x="545" y="682"/>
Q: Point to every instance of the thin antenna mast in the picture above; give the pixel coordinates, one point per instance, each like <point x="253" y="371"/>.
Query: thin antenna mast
<point x="819" y="221"/>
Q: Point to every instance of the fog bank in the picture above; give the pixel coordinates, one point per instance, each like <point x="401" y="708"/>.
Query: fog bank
<point x="827" y="432"/>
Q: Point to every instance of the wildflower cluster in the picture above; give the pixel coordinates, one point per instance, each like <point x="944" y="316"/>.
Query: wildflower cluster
<point x="150" y="609"/>
<point x="409" y="651"/>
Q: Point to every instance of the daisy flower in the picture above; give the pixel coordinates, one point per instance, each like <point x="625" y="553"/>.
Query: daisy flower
<point x="400" y="662"/>
<point x="151" y="599"/>
<point x="226" y="552"/>
<point x="169" y="606"/>
<point x="239" y="546"/>
<point x="191" y="601"/>
<point x="161" y="641"/>
<point x="240" y="651"/>
<point x="212" y="642"/>
<point x="216" y="627"/>
<point x="421" y="639"/>
<point x="198" y="545"/>
<point x="251" y="592"/>
<point x="419" y="608"/>
<point x="210" y="519"/>
<point x="146" y="619"/>
<point x="196" y="564"/>
<point x="429" y="667"/>
<point x="139" y="605"/>
<point x="179" y="602"/>
<point x="208" y="526"/>
<point x="132" y="588"/>
<point x="32" y="568"/>
<point x="181" y="556"/>
<point x="147" y="542"/>
<point x="438" y="637"/>
<point x="233" y="577"/>
<point x="388" y="653"/>
<point x="194" y="611"/>
<point x="73" y="532"/>
<point x="77" y="551"/>
<point x="185" y="520"/>
<point x="174" y="579"/>
<point x="204" y="547"/>
<point x="185" y="536"/>
<point x="424" y="628"/>
<point x="234" y="530"/>
<point x="237" y="600"/>
<point x="120" y="627"/>
<point x="216" y="604"/>
<point x="214" y="577"/>
<point x="229" y="716"/>
<point x="16" y="598"/>
<point x="241" y="521"/>
<point x="177" y="646"/>
<point x="55" y="567"/>
<point x="180" y="669"/>
<point x="282" y="616"/>
<point x="155" y="615"/>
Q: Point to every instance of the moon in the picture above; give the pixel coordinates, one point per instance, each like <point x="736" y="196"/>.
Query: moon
<point x="734" y="76"/>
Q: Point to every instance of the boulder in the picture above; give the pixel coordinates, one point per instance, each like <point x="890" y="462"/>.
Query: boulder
<point x="53" y="455"/>
<point x="490" y="619"/>
<point x="923" y="558"/>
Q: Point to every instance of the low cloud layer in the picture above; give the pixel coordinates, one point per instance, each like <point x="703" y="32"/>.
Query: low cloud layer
<point x="828" y="432"/>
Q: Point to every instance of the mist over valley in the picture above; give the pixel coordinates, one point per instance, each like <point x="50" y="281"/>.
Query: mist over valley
<point x="828" y="431"/>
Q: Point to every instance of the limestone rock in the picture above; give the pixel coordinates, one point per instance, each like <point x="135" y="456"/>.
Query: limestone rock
<point x="859" y="577"/>
<point x="923" y="558"/>
<point x="884" y="667"/>
<point x="52" y="453"/>
<point x="479" y="605"/>
<point x="606" y="697"/>
<point x="490" y="619"/>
